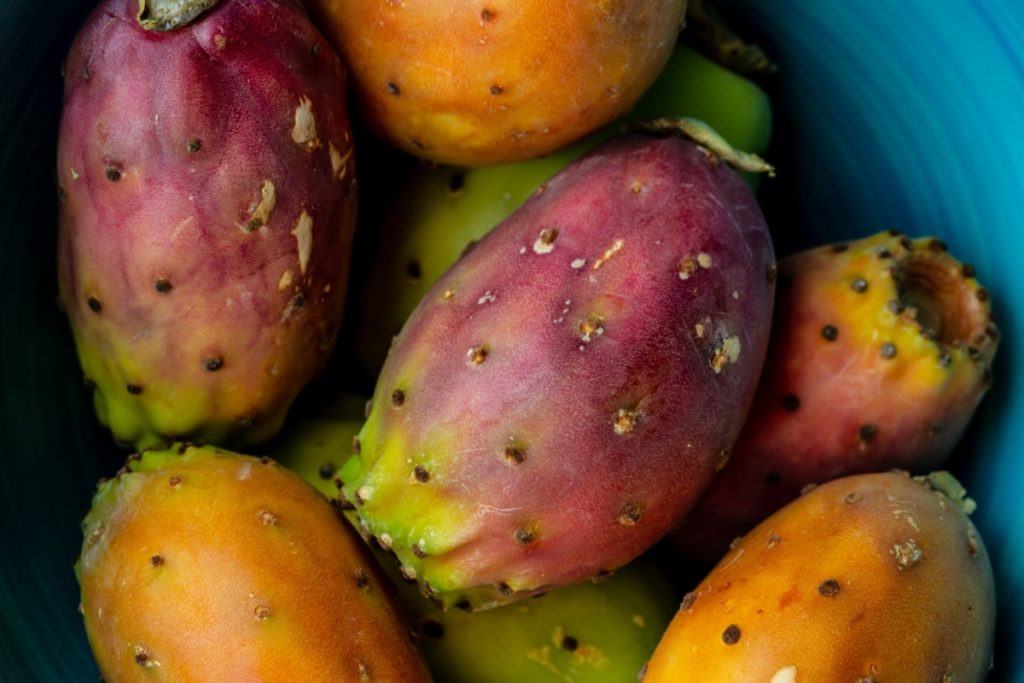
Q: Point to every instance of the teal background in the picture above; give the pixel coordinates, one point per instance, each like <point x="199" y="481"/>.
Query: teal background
<point x="905" y="115"/>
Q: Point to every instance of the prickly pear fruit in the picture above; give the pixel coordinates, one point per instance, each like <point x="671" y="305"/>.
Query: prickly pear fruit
<point x="445" y="209"/>
<point x="509" y="81"/>
<point x="880" y="353"/>
<point x="205" y="565"/>
<point x="587" y="633"/>
<point x="561" y="396"/>
<point x="207" y="204"/>
<point x="875" y="577"/>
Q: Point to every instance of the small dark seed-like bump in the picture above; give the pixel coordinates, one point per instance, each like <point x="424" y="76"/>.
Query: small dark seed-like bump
<point x="938" y="245"/>
<point x="853" y="497"/>
<point x="133" y="389"/>
<point x="357" y="445"/>
<point x="431" y="628"/>
<point x="884" y="254"/>
<point x="194" y="145"/>
<point x="464" y="605"/>
<point x="413" y="270"/>
<point x="487" y="15"/>
<point x="397" y="397"/>
<point x="262" y="612"/>
<point x="456" y="182"/>
<point x="421" y="474"/>
<point x="867" y="433"/>
<point x="773" y="540"/>
<point x="791" y="403"/>
<point x="362" y="579"/>
<point x="830" y="332"/>
<point x="688" y="601"/>
<point x="175" y="480"/>
<point x="213" y="364"/>
<point x="393" y="88"/>
<point x="113" y="174"/>
<point x="731" y="635"/>
<point x="504" y="588"/>
<point x="326" y="471"/>
<point x="497" y="89"/>
<point x="773" y="479"/>
<point x="514" y="455"/>
<point x="266" y="460"/>
<point x="829" y="588"/>
<point x="973" y="353"/>
<point x="94" y="304"/>
<point x="523" y="536"/>
<point x="860" y="285"/>
<point x="162" y="285"/>
<point x="298" y="301"/>
<point x="569" y="643"/>
<point x="630" y="514"/>
<point x="906" y="243"/>
<point x="156" y="561"/>
<point x="967" y="270"/>
<point x="840" y="248"/>
<point x="417" y="550"/>
<point x="945" y="360"/>
<point x="982" y="295"/>
<point x="888" y="350"/>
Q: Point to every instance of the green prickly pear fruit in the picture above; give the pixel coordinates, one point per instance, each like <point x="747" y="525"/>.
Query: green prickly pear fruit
<point x="205" y="565"/>
<point x="446" y="209"/>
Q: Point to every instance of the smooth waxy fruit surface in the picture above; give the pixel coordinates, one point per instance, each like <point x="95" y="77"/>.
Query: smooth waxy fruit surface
<point x="875" y="577"/>
<point x="206" y="178"/>
<point x="204" y="565"/>
<point x="483" y="83"/>
<point x="561" y="395"/>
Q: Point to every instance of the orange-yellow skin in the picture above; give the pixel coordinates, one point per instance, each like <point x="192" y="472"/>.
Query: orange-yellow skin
<point x="211" y="566"/>
<point x="816" y="593"/>
<point x="494" y="81"/>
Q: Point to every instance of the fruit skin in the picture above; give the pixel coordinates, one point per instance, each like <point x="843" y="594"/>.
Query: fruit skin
<point x="509" y="80"/>
<point x="869" y="577"/>
<point x="563" y="394"/>
<point x="587" y="633"/>
<point x="205" y="565"/>
<point x="445" y="209"/>
<point x="880" y="395"/>
<point x="205" y="218"/>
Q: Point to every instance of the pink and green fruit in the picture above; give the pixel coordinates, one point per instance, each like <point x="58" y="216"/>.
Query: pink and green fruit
<point x="880" y="353"/>
<point x="204" y="565"/>
<point x="445" y="209"/>
<point x="587" y="633"/>
<point x="874" y="577"/>
<point x="561" y="396"/>
<point x="207" y="190"/>
<point x="473" y="83"/>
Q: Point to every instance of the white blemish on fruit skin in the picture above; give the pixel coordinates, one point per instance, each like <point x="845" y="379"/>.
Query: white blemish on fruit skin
<point x="303" y="232"/>
<point x="786" y="674"/>
<point x="339" y="162"/>
<point x="244" y="471"/>
<point x="608" y="253"/>
<point x="74" y="173"/>
<point x="364" y="493"/>
<point x="304" y="130"/>
<point x="259" y="214"/>
<point x="488" y="297"/>
<point x="578" y="263"/>
<point x="704" y="260"/>
<point x="286" y="280"/>
<point x="727" y="352"/>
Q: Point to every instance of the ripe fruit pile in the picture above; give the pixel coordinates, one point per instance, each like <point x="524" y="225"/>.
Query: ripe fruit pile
<point x="596" y="350"/>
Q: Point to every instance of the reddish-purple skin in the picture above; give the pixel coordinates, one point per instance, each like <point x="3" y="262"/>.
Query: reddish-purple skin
<point x="166" y="145"/>
<point x="592" y="498"/>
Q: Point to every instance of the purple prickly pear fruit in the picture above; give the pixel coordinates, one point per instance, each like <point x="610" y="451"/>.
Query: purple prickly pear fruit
<point x="880" y="353"/>
<point x="201" y="564"/>
<point x="207" y="204"/>
<point x="561" y="396"/>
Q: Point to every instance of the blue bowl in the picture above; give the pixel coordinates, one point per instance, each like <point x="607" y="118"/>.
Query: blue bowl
<point x="905" y="115"/>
